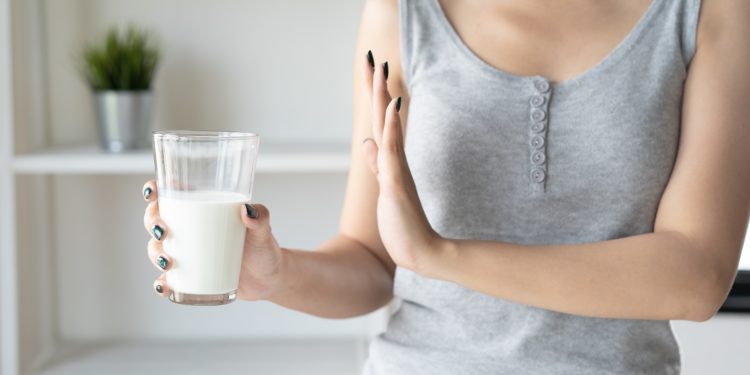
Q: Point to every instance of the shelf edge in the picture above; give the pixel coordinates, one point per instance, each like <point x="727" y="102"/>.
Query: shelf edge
<point x="40" y="165"/>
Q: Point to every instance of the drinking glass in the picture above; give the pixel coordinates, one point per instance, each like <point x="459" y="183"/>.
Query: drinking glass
<point x="203" y="180"/>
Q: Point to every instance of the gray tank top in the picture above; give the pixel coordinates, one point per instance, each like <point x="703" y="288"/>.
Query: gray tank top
<point x="501" y="157"/>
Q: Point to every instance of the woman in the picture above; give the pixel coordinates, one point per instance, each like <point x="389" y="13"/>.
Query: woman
<point x="577" y="177"/>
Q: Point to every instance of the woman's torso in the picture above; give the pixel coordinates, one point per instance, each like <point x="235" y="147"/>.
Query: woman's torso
<point x="504" y="157"/>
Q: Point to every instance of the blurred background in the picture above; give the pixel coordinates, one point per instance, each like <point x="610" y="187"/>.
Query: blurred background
<point x="75" y="283"/>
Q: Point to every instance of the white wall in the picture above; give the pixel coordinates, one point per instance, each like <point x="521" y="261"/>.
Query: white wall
<point x="281" y="68"/>
<point x="718" y="346"/>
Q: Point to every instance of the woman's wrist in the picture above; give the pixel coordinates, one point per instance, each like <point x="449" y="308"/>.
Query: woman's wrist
<point x="257" y="286"/>
<point x="277" y="281"/>
<point x="440" y="256"/>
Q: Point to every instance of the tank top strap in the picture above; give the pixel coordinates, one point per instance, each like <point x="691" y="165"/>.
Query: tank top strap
<point x="688" y="13"/>
<point x="423" y="38"/>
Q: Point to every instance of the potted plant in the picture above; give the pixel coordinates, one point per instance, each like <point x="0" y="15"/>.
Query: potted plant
<point x="120" y="70"/>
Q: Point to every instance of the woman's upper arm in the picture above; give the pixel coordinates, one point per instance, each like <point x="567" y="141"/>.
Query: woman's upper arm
<point x="379" y="32"/>
<point x="707" y="198"/>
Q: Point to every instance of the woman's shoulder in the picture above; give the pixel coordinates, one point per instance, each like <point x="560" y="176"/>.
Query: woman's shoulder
<point x="723" y="20"/>
<point x="380" y="19"/>
<point x="382" y="13"/>
<point x="389" y="4"/>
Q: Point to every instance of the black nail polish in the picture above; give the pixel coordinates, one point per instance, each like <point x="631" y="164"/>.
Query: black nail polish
<point x="147" y="192"/>
<point x="158" y="288"/>
<point x="398" y="104"/>
<point x="157" y="231"/>
<point x="385" y="70"/>
<point x="370" y="59"/>
<point x="162" y="262"/>
<point x="251" y="211"/>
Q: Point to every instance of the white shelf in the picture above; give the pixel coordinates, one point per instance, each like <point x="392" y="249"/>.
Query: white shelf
<point x="204" y="82"/>
<point x="341" y="357"/>
<point x="273" y="158"/>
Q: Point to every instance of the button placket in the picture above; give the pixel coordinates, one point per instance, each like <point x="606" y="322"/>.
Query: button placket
<point x="539" y="121"/>
<point x="537" y="100"/>
<point x="537" y="175"/>
<point x="542" y="85"/>
<point x="537" y="141"/>
<point x="538" y="158"/>
<point x="538" y="127"/>
<point x="538" y="115"/>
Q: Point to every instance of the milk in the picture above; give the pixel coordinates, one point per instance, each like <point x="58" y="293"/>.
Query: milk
<point x="204" y="241"/>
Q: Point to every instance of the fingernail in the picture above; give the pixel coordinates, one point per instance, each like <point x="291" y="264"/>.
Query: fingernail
<point x="398" y="104"/>
<point x="162" y="262"/>
<point x="251" y="212"/>
<point x="147" y="192"/>
<point x="366" y="139"/>
<point x="370" y="59"/>
<point x="385" y="70"/>
<point x="157" y="231"/>
<point x="158" y="288"/>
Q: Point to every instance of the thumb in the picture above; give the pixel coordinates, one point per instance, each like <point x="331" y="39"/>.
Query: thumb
<point x="255" y="216"/>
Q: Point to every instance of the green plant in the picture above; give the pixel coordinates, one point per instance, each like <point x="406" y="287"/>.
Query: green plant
<point x="123" y="61"/>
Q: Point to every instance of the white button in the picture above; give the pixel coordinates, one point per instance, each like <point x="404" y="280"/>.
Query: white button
<point x="542" y="85"/>
<point x="537" y="100"/>
<point x="538" y="157"/>
<point x="537" y="127"/>
<point x="538" y="175"/>
<point x="537" y="141"/>
<point x="538" y="115"/>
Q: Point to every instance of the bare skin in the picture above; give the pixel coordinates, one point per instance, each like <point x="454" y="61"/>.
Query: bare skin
<point x="683" y="270"/>
<point x="555" y="39"/>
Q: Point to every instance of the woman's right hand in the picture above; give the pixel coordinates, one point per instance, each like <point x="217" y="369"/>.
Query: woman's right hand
<point x="261" y="272"/>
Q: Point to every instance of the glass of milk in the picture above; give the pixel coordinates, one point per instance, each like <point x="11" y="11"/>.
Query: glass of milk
<point x="203" y="179"/>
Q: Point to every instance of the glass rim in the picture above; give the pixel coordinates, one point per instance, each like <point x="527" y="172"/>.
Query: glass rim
<point x="203" y="135"/>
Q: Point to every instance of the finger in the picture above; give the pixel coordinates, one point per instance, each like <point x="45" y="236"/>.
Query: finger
<point x="380" y="99"/>
<point x="257" y="219"/>
<point x="149" y="191"/>
<point x="370" y="150"/>
<point x="368" y="68"/>
<point x="158" y="230"/>
<point x="393" y="136"/>
<point x="255" y="216"/>
<point x="393" y="159"/>
<point x="151" y="215"/>
<point x="157" y="256"/>
<point x="160" y="285"/>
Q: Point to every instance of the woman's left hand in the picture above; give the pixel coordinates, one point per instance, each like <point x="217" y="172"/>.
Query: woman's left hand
<point x="403" y="226"/>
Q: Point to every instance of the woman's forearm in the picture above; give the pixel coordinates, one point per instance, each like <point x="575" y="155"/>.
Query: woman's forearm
<point x="650" y="276"/>
<point x="342" y="279"/>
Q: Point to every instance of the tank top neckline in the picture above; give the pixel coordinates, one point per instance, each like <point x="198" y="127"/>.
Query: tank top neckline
<point x="614" y="55"/>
